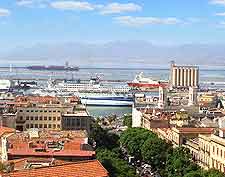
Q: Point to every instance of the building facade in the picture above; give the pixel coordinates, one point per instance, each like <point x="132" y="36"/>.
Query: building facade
<point x="212" y="152"/>
<point x="47" y="116"/>
<point x="76" y="121"/>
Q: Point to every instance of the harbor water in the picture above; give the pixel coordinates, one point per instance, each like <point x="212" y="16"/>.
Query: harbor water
<point x="214" y="76"/>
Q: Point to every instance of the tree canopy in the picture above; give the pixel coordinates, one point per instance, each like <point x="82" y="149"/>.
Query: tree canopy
<point x="168" y="161"/>
<point x="108" y="153"/>
<point x="127" y="120"/>
<point x="114" y="164"/>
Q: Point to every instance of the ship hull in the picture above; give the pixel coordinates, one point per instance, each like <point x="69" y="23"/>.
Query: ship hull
<point x="109" y="103"/>
<point x="57" y="68"/>
<point x="144" y="85"/>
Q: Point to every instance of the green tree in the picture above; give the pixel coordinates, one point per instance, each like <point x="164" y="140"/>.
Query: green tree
<point x="213" y="173"/>
<point x="154" y="151"/>
<point x="115" y="166"/>
<point x="127" y="120"/>
<point x="133" y="139"/>
<point x="103" y="138"/>
<point x="194" y="174"/>
<point x="179" y="163"/>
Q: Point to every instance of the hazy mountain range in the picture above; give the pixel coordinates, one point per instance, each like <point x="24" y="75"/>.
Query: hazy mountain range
<point x="118" y="53"/>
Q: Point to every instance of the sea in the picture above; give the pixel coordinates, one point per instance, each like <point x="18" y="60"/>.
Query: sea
<point x="210" y="76"/>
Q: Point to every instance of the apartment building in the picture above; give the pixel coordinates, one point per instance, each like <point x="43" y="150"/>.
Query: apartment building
<point x="207" y="149"/>
<point x="42" y="116"/>
<point x="179" y="136"/>
<point x="51" y="113"/>
<point x="212" y="151"/>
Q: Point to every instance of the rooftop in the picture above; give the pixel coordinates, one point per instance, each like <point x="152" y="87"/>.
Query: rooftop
<point x="92" y="168"/>
<point x="6" y="130"/>
<point x="195" y="130"/>
<point x="50" y="144"/>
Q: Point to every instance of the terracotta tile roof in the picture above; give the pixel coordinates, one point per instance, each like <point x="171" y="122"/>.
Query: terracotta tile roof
<point x="65" y="153"/>
<point x="39" y="99"/>
<point x="5" y="130"/>
<point x="19" y="164"/>
<point x="72" y="145"/>
<point x="195" y="130"/>
<point x="78" y="169"/>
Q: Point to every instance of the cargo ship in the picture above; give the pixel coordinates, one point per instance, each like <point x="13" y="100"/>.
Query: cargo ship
<point x="54" y="68"/>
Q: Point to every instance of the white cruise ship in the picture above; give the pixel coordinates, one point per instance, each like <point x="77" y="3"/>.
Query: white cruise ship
<point x="93" y="86"/>
<point x="95" y="93"/>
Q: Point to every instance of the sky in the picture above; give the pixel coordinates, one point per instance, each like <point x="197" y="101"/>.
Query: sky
<point x="163" y="22"/>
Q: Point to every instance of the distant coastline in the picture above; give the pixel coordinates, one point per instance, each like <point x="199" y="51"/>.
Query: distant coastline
<point x="202" y="68"/>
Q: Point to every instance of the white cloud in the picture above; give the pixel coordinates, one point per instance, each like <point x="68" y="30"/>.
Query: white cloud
<point x="24" y="2"/>
<point x="220" y="2"/>
<point x="222" y="24"/>
<point x="220" y="14"/>
<point x="32" y="3"/>
<point x="141" y="21"/>
<point x="72" y="5"/>
<point x="114" y="8"/>
<point x="4" y="12"/>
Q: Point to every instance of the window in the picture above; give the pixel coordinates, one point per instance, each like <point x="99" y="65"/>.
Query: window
<point x="78" y="122"/>
<point x="36" y="110"/>
<point x="217" y="152"/>
<point x="36" y="125"/>
<point x="40" y="118"/>
<point x="31" y="126"/>
<point x="49" y="126"/>
<point x="221" y="153"/>
<point x="36" y="118"/>
<point x="58" y="118"/>
<point x="73" y="122"/>
<point x="28" y="111"/>
<point x="54" y="118"/>
<point x="45" y="111"/>
<point x="49" y="118"/>
<point x="213" y="149"/>
<point x="27" y="126"/>
<point x="32" y="111"/>
<point x="21" y="110"/>
<point x="41" y="110"/>
<point x="54" y="110"/>
<point x="31" y="118"/>
<point x="45" y="118"/>
<point x="40" y="126"/>
<point x="58" y="110"/>
<point x="54" y="125"/>
<point x="21" y="117"/>
<point x="27" y="118"/>
<point x="58" y="126"/>
<point x="49" y="111"/>
<point x="45" y="125"/>
<point x="83" y="122"/>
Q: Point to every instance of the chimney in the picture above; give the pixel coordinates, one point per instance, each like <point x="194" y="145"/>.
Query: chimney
<point x="221" y="133"/>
